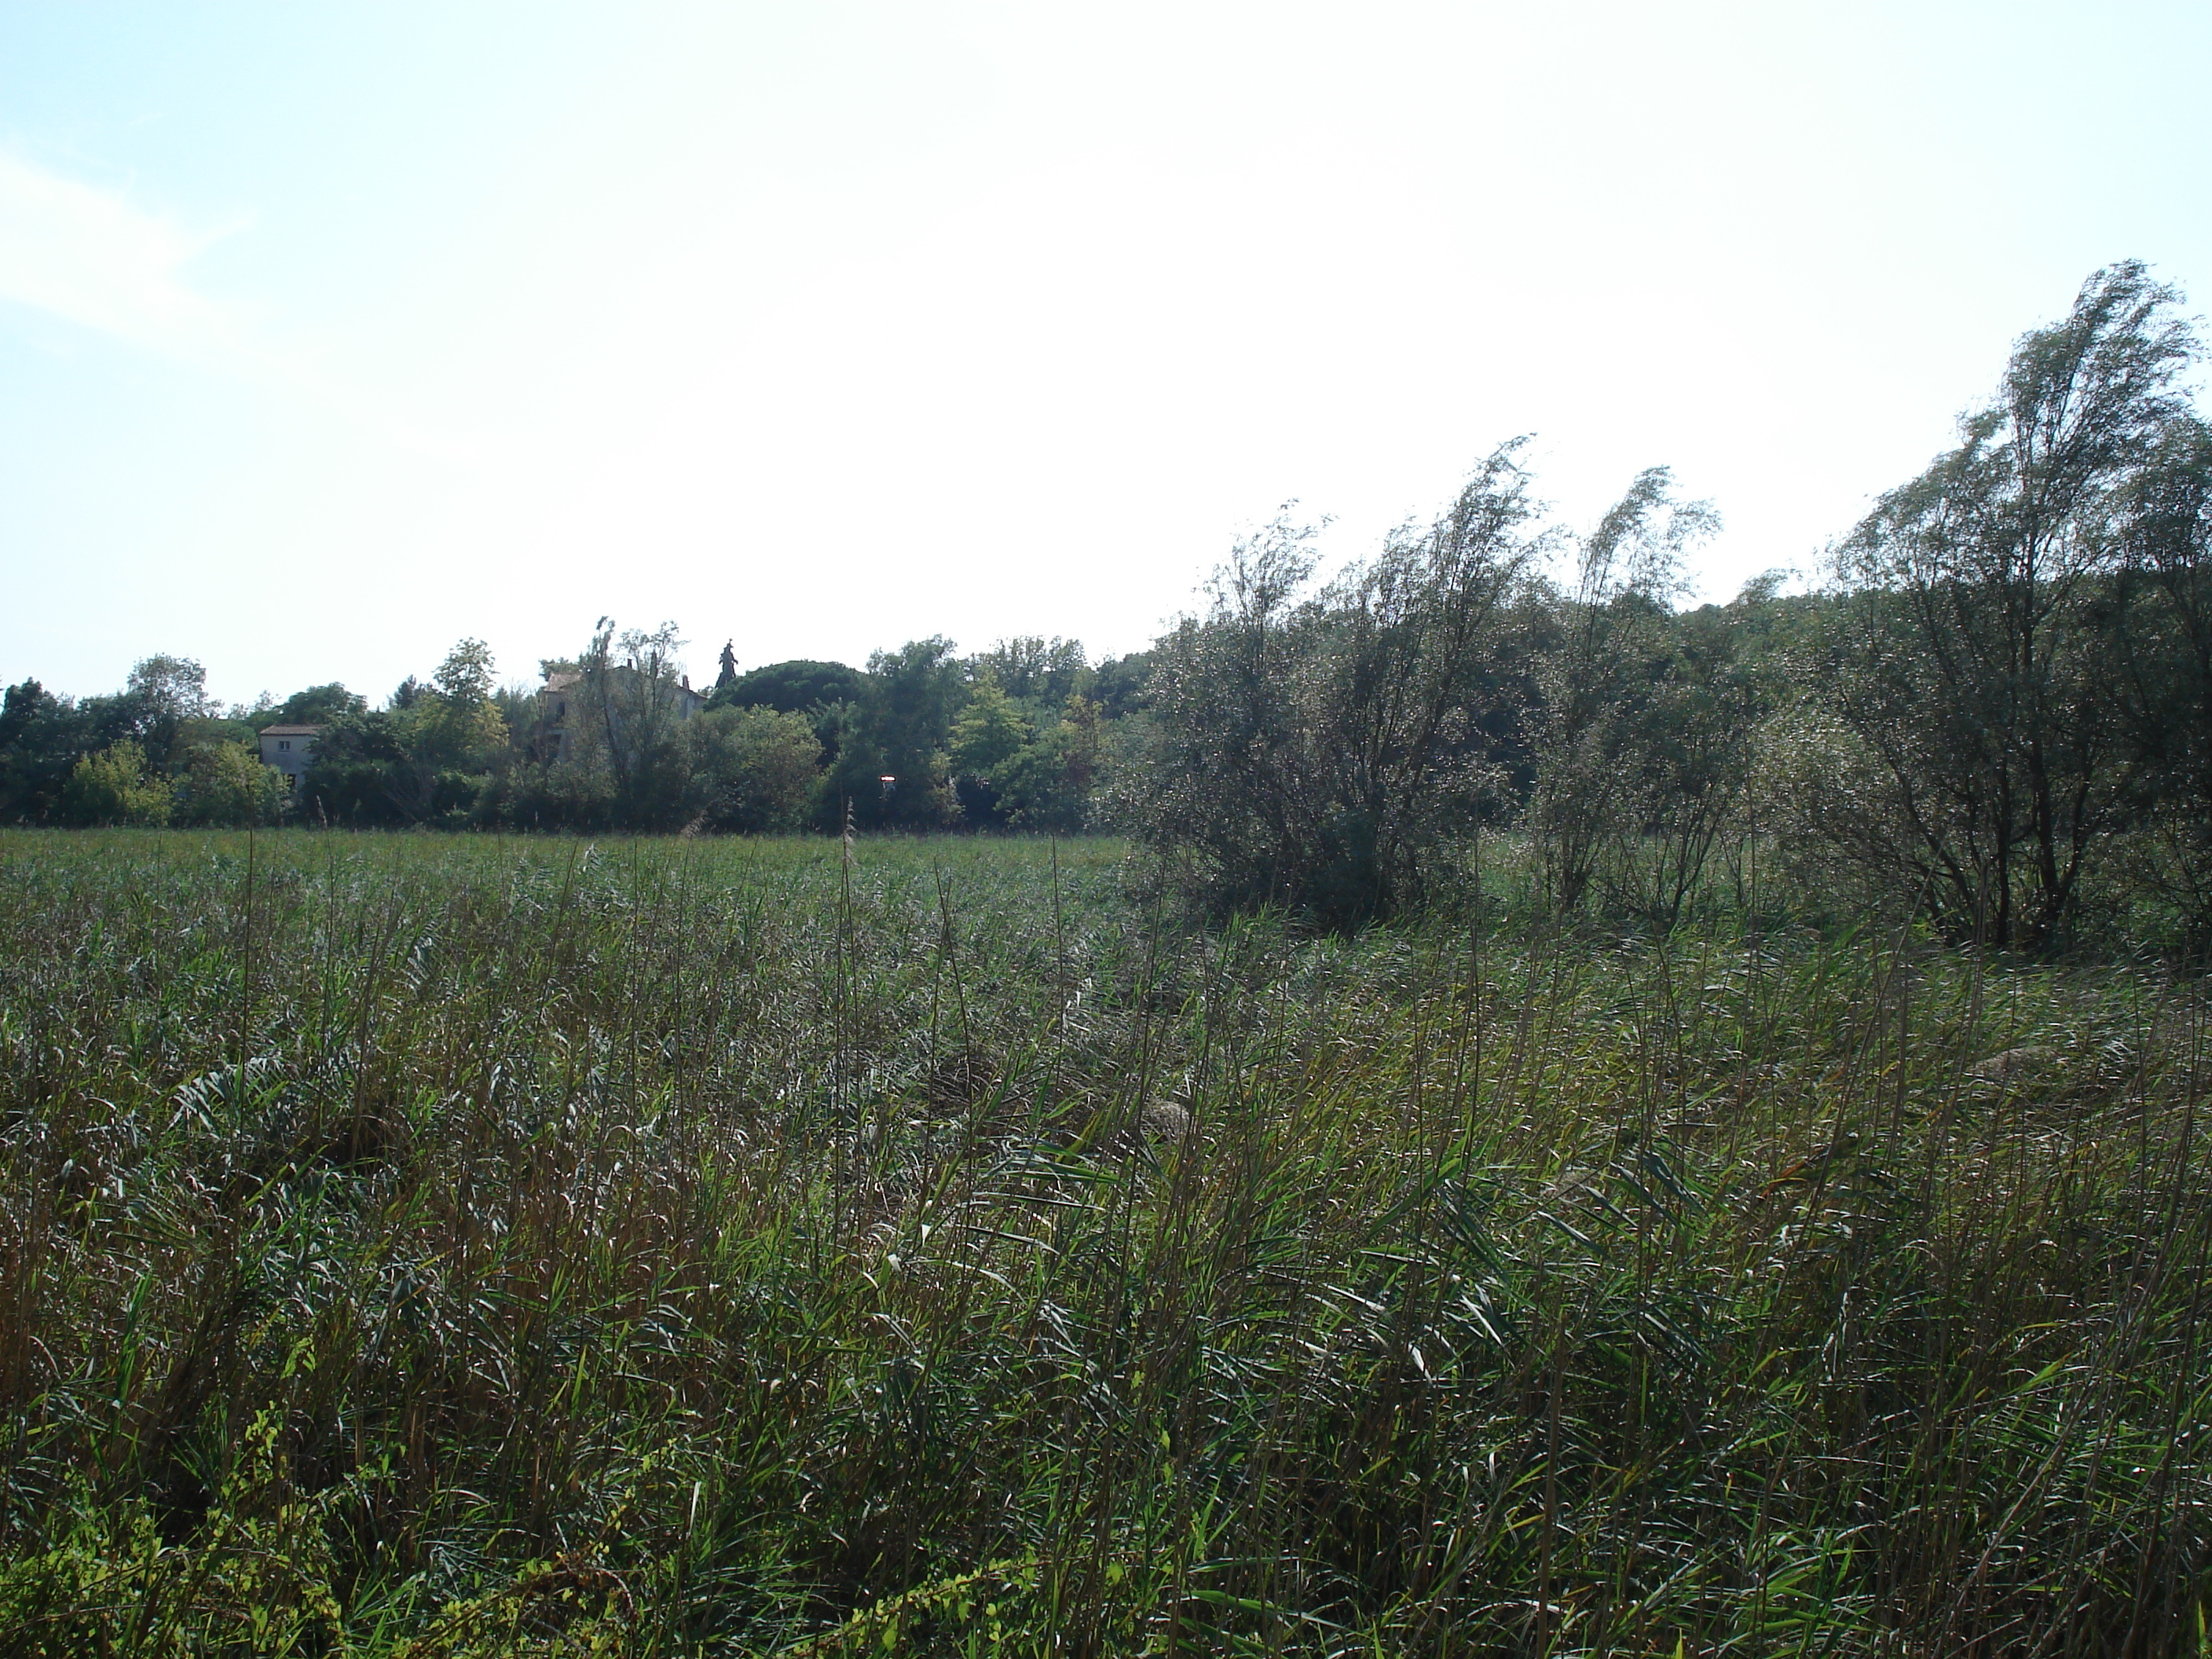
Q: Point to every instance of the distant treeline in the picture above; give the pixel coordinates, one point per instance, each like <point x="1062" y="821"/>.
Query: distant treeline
<point x="1997" y="713"/>
<point x="921" y="738"/>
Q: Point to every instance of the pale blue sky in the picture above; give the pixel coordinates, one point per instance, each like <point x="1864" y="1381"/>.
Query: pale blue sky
<point x="330" y="334"/>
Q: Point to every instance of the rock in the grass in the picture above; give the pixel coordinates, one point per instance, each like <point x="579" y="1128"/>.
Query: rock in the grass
<point x="2016" y="1065"/>
<point x="1157" y="1126"/>
<point x="1165" y="1120"/>
<point x="1571" y="1182"/>
<point x="961" y="1079"/>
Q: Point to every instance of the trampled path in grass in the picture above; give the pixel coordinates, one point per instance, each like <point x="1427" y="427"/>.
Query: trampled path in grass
<point x="448" y="1246"/>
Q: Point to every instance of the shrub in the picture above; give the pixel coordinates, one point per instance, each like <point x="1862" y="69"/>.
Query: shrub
<point x="1329" y="752"/>
<point x="752" y="770"/>
<point x="226" y="784"/>
<point x="113" y="787"/>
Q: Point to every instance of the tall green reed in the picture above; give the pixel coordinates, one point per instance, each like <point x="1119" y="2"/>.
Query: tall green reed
<point x="723" y="1247"/>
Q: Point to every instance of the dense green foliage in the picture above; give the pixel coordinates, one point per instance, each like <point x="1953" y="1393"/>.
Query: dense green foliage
<point x="2058" y="554"/>
<point x="157" y="751"/>
<point x="783" y="747"/>
<point x="791" y="688"/>
<point x="453" y="1246"/>
<point x="1328" y="754"/>
<point x="1997" y="718"/>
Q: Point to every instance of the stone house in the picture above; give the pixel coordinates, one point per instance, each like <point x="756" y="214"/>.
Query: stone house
<point x="291" y="750"/>
<point x="559" y="706"/>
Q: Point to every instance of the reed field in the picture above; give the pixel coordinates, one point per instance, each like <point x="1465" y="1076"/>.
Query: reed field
<point x="457" y="1246"/>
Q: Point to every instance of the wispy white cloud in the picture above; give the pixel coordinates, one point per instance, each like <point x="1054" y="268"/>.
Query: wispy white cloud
<point x="97" y="258"/>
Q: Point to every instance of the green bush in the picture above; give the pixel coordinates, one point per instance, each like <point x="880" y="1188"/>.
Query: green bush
<point x="752" y="770"/>
<point x="226" y="784"/>
<point x="113" y="786"/>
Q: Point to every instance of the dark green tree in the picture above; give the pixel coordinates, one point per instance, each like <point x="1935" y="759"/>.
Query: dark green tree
<point x="116" y="784"/>
<point x="315" y="706"/>
<point x="428" y="757"/>
<point x="41" y="736"/>
<point x="1978" y="678"/>
<point x="630" y="710"/>
<point x="790" y="688"/>
<point x="898" y="729"/>
<point x="1329" y="752"/>
<point x="753" y="771"/>
<point x="1117" y="685"/>
<point x="1689" y="752"/>
<point x="1032" y="669"/>
<point x="161" y="697"/>
<point x="1593" y="730"/>
<point x="1051" y="781"/>
<point x="2162" y="610"/>
<point x="989" y="733"/>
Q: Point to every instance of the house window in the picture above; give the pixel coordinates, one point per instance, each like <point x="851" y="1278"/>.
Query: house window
<point x="283" y="743"/>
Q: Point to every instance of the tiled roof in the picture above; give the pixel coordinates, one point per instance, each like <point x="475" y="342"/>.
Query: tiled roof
<point x="568" y="678"/>
<point x="290" y="731"/>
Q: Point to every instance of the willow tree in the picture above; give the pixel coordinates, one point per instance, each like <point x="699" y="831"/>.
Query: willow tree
<point x="630" y="695"/>
<point x="1978" y="678"/>
<point x="2163" y="612"/>
<point x="1326" y="750"/>
<point x="1599" y="728"/>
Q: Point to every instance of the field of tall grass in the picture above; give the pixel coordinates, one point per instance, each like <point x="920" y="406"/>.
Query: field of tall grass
<point x="457" y="1247"/>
